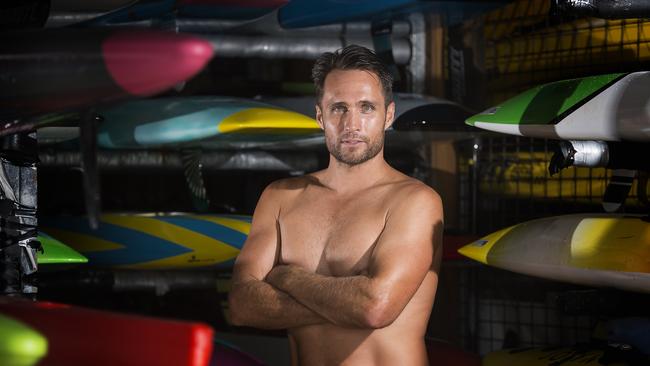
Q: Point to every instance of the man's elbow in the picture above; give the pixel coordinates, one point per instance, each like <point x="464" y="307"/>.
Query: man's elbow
<point x="379" y="315"/>
<point x="236" y="309"/>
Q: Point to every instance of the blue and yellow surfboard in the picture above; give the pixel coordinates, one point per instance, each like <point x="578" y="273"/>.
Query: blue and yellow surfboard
<point x="154" y="241"/>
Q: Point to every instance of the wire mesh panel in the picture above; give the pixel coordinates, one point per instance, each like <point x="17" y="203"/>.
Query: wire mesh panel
<point x="501" y="309"/>
<point x="505" y="180"/>
<point x="527" y="43"/>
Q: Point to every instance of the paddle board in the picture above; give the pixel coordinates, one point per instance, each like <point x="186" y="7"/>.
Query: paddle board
<point x="604" y="250"/>
<point x="609" y="107"/>
<point x="55" y="252"/>
<point x="581" y="355"/>
<point x="207" y="122"/>
<point x="80" y="336"/>
<point x="43" y="71"/>
<point x="20" y="345"/>
<point x="154" y="241"/>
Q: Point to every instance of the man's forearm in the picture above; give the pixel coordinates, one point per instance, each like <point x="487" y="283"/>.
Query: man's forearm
<point x="258" y="304"/>
<point x="344" y="301"/>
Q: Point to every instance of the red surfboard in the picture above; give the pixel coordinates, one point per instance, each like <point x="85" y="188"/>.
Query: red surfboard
<point x="81" y="336"/>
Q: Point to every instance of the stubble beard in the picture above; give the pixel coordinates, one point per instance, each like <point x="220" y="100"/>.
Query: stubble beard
<point x="354" y="157"/>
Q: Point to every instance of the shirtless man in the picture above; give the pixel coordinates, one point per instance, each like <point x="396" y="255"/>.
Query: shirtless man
<point x="346" y="259"/>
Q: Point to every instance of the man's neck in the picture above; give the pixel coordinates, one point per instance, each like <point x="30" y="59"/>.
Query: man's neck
<point x="344" y="178"/>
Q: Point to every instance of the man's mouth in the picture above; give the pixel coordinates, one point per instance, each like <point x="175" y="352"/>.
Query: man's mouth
<point x="352" y="141"/>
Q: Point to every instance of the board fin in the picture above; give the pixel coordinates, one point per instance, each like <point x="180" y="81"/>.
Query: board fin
<point x="89" y="167"/>
<point x="618" y="189"/>
<point x="194" y="178"/>
<point x="642" y="188"/>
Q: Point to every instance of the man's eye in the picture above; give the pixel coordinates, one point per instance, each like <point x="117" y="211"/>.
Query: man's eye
<point x="339" y="109"/>
<point x="366" y="108"/>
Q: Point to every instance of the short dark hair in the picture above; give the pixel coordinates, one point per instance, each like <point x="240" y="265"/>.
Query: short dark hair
<point x="352" y="57"/>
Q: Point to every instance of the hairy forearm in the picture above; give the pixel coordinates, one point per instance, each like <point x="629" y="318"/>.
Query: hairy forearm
<point x="257" y="304"/>
<point x="344" y="301"/>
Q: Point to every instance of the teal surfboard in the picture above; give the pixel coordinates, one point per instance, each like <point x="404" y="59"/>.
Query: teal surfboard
<point x="196" y="122"/>
<point x="603" y="250"/>
<point x="20" y="344"/>
<point x="611" y="107"/>
<point x="154" y="241"/>
<point x="308" y="13"/>
<point x="206" y="122"/>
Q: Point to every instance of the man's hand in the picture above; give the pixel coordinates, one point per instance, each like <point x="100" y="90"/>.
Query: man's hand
<point x="279" y="275"/>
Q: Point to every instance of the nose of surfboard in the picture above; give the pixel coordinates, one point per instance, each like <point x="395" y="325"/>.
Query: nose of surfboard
<point x="145" y="63"/>
<point x="19" y="343"/>
<point x="478" y="250"/>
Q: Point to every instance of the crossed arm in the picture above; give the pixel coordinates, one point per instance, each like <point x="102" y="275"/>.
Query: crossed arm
<point x="266" y="295"/>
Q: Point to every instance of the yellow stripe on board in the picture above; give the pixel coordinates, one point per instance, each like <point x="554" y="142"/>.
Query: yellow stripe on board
<point x="617" y="244"/>
<point x="82" y="242"/>
<point x="270" y="119"/>
<point x="238" y="225"/>
<point x="204" y="247"/>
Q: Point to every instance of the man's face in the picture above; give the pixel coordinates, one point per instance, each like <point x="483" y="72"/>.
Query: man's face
<point x="353" y="115"/>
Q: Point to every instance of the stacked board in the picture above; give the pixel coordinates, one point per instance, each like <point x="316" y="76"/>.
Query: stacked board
<point x="79" y="336"/>
<point x="153" y="241"/>
<point x="603" y="250"/>
<point x="609" y="107"/>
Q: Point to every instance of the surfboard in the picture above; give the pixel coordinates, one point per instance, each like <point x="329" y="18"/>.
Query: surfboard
<point x="20" y="344"/>
<point x="633" y="331"/>
<point x="294" y="13"/>
<point x="580" y="355"/>
<point x="41" y="71"/>
<point x="164" y="9"/>
<point x="207" y="122"/>
<point x="418" y="113"/>
<point x="603" y="250"/>
<point x="55" y="252"/>
<point x="609" y="107"/>
<point x="154" y="241"/>
<point x="307" y="13"/>
<point x="81" y="336"/>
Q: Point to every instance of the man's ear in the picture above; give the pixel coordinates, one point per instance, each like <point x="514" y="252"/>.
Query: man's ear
<point x="319" y="117"/>
<point x="390" y="115"/>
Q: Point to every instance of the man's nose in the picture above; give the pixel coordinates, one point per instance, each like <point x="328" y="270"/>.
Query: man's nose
<point x="352" y="121"/>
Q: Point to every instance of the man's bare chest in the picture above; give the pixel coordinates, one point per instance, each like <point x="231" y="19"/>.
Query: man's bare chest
<point x="331" y="237"/>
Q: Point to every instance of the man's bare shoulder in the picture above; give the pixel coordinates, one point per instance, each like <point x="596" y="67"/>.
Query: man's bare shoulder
<point x="408" y="191"/>
<point x="288" y="187"/>
<point x="404" y="187"/>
